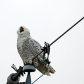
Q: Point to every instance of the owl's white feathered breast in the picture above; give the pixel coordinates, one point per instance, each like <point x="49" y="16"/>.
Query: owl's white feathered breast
<point x="28" y="47"/>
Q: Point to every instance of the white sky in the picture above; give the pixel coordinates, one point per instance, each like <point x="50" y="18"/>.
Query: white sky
<point x="46" y="19"/>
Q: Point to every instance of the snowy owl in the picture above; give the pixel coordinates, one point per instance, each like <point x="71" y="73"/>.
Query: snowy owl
<point x="29" y="48"/>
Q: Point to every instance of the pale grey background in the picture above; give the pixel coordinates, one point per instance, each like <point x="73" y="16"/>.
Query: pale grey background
<point x="46" y="19"/>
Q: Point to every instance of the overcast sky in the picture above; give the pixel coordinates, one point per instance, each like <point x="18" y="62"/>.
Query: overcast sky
<point x="46" y="20"/>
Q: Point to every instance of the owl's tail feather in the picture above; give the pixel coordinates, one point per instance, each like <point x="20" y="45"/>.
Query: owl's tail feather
<point x="51" y="69"/>
<point x="43" y="69"/>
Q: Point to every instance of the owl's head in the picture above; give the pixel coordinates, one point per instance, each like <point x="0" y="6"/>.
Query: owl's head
<point x="23" y="32"/>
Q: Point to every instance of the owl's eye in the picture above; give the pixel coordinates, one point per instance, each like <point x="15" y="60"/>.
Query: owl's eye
<point x="21" y="29"/>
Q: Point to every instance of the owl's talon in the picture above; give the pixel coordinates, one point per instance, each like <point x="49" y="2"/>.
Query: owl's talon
<point x="30" y="61"/>
<point x="25" y="63"/>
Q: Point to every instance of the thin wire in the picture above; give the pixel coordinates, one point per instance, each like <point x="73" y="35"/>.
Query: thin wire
<point x="61" y="35"/>
<point x="40" y="76"/>
<point x="67" y="31"/>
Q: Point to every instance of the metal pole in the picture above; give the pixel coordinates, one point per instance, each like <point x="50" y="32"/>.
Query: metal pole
<point x="28" y="80"/>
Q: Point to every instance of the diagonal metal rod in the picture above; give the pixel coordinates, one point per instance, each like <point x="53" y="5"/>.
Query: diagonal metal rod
<point x="61" y="35"/>
<point x="67" y="31"/>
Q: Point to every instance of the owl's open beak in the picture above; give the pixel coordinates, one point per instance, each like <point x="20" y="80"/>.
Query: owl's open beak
<point x="21" y="29"/>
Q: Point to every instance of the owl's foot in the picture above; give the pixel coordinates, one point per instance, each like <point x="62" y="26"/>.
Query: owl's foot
<point x="28" y="62"/>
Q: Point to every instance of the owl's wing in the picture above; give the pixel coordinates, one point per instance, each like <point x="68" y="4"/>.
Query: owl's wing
<point x="26" y="53"/>
<point x="35" y="48"/>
